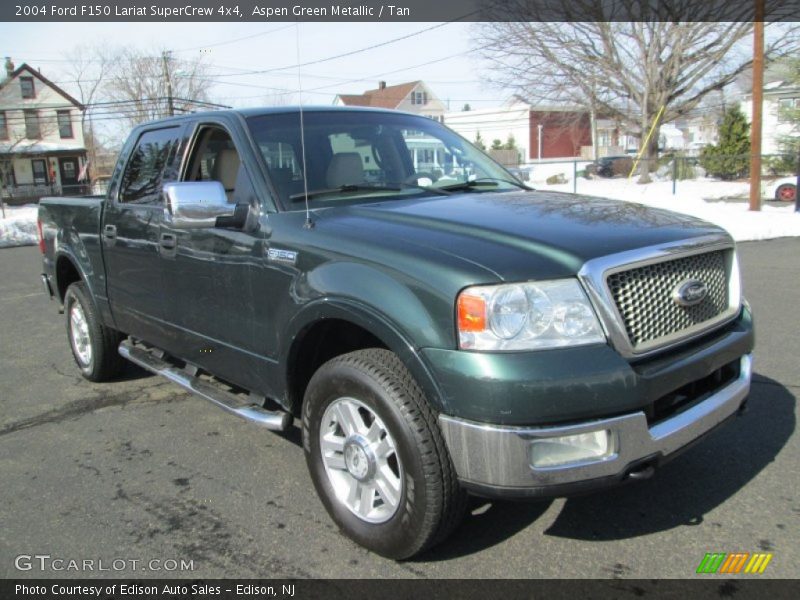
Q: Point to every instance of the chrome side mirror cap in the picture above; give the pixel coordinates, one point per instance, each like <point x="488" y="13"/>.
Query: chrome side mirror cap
<point x="196" y="204"/>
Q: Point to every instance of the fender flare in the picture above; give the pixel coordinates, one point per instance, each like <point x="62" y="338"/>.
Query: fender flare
<point x="66" y="253"/>
<point x="375" y="323"/>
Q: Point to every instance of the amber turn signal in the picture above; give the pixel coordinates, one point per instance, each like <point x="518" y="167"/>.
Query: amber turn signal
<point x="471" y="313"/>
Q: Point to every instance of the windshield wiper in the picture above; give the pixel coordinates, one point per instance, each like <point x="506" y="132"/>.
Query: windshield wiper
<point x="483" y="182"/>
<point x="364" y="187"/>
<point x="350" y="187"/>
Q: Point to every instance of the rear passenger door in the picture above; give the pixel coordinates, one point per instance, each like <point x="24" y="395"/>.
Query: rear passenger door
<point x="131" y="229"/>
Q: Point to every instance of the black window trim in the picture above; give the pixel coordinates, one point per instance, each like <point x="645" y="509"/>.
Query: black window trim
<point x="4" y="133"/>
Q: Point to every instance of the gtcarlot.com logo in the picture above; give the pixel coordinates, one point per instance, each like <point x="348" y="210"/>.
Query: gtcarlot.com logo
<point x="46" y="562"/>
<point x="723" y="563"/>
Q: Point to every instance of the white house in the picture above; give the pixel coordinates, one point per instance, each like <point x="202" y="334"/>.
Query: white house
<point x="497" y="123"/>
<point x="413" y="97"/>
<point x="777" y="94"/>
<point x="41" y="142"/>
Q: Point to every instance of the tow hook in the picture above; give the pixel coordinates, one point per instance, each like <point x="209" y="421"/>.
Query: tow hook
<point x="640" y="472"/>
<point x="743" y="407"/>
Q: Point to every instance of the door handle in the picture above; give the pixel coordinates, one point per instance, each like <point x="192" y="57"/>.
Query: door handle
<point x="168" y="241"/>
<point x="110" y="231"/>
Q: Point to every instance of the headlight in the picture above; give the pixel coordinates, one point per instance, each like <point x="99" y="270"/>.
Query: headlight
<point x="526" y="316"/>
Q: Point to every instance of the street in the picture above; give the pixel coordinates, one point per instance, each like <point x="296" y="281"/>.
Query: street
<point x="137" y="470"/>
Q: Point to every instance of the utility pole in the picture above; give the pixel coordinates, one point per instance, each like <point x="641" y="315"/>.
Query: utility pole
<point x="758" y="101"/>
<point x="593" y="121"/>
<point x="165" y="55"/>
<point x="540" y="127"/>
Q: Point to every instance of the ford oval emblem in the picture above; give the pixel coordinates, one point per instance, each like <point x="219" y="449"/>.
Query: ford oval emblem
<point x="690" y="292"/>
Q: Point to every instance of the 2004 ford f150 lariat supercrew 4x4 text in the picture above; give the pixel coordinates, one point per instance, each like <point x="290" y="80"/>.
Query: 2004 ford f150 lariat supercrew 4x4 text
<point x="438" y="327"/>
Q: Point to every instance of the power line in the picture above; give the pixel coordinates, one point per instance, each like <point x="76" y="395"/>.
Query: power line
<point x="352" y="52"/>
<point x="235" y="40"/>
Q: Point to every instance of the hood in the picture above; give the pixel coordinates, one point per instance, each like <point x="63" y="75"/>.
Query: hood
<point x="516" y="236"/>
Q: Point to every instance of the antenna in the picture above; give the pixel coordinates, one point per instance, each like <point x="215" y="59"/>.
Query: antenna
<point x="309" y="224"/>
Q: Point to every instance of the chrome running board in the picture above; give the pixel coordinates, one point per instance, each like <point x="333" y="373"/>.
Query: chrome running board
<point x="241" y="407"/>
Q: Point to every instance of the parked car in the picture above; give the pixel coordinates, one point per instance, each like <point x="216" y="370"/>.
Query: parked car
<point x="466" y="335"/>
<point x="613" y="166"/>
<point x="523" y="174"/>
<point x="783" y="190"/>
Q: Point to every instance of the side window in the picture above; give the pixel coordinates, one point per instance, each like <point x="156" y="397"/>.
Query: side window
<point x="215" y="158"/>
<point x="154" y="153"/>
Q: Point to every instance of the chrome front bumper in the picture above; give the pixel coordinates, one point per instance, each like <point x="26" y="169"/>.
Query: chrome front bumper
<point x="490" y="457"/>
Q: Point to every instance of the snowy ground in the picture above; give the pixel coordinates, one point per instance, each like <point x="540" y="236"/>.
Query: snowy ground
<point x="19" y="226"/>
<point x="723" y="203"/>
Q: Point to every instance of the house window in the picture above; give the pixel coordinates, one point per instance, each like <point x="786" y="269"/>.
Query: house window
<point x="6" y="174"/>
<point x="26" y="84"/>
<point x="39" y="167"/>
<point x="32" y="129"/>
<point x="3" y="126"/>
<point x="64" y="124"/>
<point x="786" y="106"/>
<point x="420" y="98"/>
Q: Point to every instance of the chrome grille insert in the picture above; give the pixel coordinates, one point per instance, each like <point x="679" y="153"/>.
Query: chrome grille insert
<point x="633" y="292"/>
<point x="644" y="295"/>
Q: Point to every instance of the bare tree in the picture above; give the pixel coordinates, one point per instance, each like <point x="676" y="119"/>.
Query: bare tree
<point x="627" y="64"/>
<point x="279" y="98"/>
<point x="152" y="86"/>
<point x="88" y="69"/>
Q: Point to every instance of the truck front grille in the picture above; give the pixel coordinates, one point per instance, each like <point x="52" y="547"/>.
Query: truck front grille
<point x="644" y="297"/>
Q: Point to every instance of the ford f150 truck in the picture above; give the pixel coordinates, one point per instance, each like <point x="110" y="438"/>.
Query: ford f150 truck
<point x="437" y="327"/>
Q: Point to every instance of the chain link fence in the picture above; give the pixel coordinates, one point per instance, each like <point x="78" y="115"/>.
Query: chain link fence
<point x="672" y="168"/>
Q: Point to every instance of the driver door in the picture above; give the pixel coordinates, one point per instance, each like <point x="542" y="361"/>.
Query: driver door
<point x="209" y="303"/>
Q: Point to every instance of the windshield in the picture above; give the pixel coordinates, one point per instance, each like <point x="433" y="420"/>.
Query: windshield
<point x="356" y="157"/>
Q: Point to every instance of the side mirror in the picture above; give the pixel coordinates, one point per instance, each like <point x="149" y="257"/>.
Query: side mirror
<point x="196" y="204"/>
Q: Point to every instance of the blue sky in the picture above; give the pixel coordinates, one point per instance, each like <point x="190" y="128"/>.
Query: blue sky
<point x="455" y="75"/>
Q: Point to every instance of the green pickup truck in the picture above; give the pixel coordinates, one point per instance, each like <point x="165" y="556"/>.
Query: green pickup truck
<point x="437" y="327"/>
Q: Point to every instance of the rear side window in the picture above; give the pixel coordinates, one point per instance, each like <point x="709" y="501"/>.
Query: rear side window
<point x="152" y="157"/>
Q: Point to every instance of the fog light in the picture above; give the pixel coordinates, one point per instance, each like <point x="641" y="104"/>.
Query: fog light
<point x="583" y="447"/>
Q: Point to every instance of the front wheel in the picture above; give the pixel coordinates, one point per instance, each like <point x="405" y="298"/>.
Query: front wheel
<point x="376" y="455"/>
<point x="94" y="346"/>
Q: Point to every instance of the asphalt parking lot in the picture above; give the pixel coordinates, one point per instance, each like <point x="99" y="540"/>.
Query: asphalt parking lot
<point x="137" y="470"/>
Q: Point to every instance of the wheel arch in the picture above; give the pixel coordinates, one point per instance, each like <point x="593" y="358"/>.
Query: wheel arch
<point x="67" y="272"/>
<point x="331" y="327"/>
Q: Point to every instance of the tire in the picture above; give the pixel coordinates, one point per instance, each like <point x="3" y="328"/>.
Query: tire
<point x="93" y="345"/>
<point x="385" y="476"/>
<point x="786" y="193"/>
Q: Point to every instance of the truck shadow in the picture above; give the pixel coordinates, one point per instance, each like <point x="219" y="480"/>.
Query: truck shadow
<point x="132" y="372"/>
<point x="680" y="494"/>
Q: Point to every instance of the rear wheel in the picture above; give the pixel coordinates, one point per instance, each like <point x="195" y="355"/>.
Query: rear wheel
<point x="94" y="346"/>
<point x="376" y="455"/>
<point x="786" y="193"/>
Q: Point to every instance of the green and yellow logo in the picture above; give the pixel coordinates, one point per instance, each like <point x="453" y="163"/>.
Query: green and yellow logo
<point x="734" y="563"/>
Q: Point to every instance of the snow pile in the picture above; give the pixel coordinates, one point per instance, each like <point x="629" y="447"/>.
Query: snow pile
<point x="719" y="202"/>
<point x="19" y="226"/>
